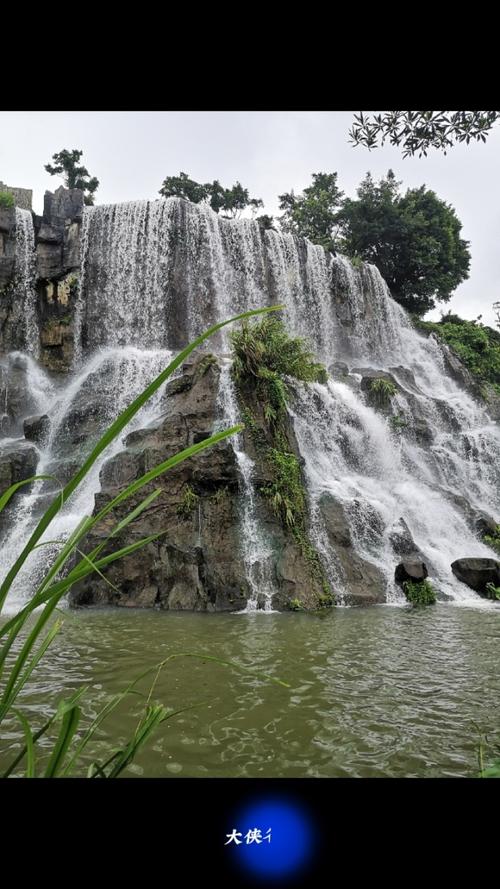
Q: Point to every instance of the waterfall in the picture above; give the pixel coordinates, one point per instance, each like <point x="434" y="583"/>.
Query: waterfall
<point x="24" y="279"/>
<point x="257" y="553"/>
<point x="155" y="274"/>
<point x="91" y="398"/>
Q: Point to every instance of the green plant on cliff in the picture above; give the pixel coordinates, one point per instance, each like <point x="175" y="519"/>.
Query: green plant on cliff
<point x="75" y="176"/>
<point x="493" y="592"/>
<point x="26" y="636"/>
<point x="420" y="592"/>
<point x="188" y="503"/>
<point x="493" y="539"/>
<point x="6" y="200"/>
<point x="382" y="390"/>
<point x="264" y="356"/>
<point x="476" y="344"/>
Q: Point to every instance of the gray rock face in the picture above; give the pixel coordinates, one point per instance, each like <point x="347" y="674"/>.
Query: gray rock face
<point x="7" y="249"/>
<point x="197" y="562"/>
<point x="18" y="461"/>
<point x="57" y="233"/>
<point x="16" y="400"/>
<point x="194" y="565"/>
<point x="410" y="570"/>
<point x="36" y="428"/>
<point x="477" y="573"/>
<point x="366" y="584"/>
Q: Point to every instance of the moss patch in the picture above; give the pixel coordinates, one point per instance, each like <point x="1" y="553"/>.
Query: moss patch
<point x="188" y="503"/>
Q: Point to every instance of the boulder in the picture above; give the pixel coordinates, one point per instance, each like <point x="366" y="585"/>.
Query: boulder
<point x="485" y="524"/>
<point x="18" y="461"/>
<point x="36" y="428"/>
<point x="477" y="573"/>
<point x="410" y="570"/>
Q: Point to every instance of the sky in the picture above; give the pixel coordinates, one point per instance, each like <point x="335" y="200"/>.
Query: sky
<point x="131" y="153"/>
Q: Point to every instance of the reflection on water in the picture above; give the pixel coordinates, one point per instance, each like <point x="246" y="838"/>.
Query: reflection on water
<point x="374" y="693"/>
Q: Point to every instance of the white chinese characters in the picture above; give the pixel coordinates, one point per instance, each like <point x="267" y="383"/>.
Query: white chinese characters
<point x="252" y="836"/>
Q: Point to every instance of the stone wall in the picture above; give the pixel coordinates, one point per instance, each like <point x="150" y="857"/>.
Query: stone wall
<point x="23" y="197"/>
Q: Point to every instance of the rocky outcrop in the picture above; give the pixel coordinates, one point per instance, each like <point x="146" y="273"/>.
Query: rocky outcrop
<point x="36" y="428"/>
<point x="411" y="570"/>
<point x="477" y="573"/>
<point x="18" y="461"/>
<point x="16" y="399"/>
<point x="197" y="562"/>
<point x="7" y="248"/>
<point x="364" y="581"/>
<point x="57" y="263"/>
<point x="57" y="236"/>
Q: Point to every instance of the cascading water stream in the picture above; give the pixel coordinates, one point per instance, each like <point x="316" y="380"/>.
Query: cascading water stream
<point x="256" y="551"/>
<point x="24" y="278"/>
<point x="156" y="274"/>
<point x="109" y="381"/>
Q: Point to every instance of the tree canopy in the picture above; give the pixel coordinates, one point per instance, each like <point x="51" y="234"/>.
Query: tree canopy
<point x="413" y="239"/>
<point x="313" y="214"/>
<point x="229" y="202"/>
<point x="417" y="131"/>
<point x="75" y="176"/>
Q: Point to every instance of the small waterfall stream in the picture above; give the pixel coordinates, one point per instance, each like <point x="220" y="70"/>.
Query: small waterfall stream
<point x="257" y="553"/>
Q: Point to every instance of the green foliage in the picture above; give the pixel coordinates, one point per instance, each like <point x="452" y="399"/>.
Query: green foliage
<point x="220" y="494"/>
<point x="6" y="200"/>
<point x="493" y="540"/>
<point x="75" y="176"/>
<point x="230" y="202"/>
<point x="398" y="422"/>
<point x="356" y="262"/>
<point x="477" y="345"/>
<point x="313" y="214"/>
<point x="417" y="131"/>
<point x="286" y="491"/>
<point x="266" y="222"/>
<point x="382" y="390"/>
<point x="414" y="240"/>
<point x="263" y="356"/>
<point x="24" y="646"/>
<point x="188" y="503"/>
<point x="266" y="346"/>
<point x="295" y="605"/>
<point x="419" y="593"/>
<point x="493" y="592"/>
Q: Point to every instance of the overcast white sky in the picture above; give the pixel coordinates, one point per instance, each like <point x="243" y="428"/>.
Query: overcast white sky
<point x="269" y="153"/>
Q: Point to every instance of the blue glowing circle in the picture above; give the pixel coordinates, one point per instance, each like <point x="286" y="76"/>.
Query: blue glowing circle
<point x="291" y="844"/>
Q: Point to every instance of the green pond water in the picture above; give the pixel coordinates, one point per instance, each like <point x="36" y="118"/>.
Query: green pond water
<point x="377" y="692"/>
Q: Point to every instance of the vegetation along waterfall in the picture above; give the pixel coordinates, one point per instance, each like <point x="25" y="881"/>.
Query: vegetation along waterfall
<point x="281" y="509"/>
<point x="395" y="460"/>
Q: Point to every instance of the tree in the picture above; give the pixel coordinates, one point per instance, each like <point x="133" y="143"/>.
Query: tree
<point x="414" y="240"/>
<point x="417" y="131"/>
<point x="230" y="202"/>
<point x="313" y="214"/>
<point x="182" y="186"/>
<point x="496" y="308"/>
<point x="66" y="163"/>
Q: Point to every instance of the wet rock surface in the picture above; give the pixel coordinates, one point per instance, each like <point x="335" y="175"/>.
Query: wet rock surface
<point x="477" y="573"/>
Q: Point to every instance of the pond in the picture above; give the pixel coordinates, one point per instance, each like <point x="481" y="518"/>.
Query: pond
<point x="376" y="692"/>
